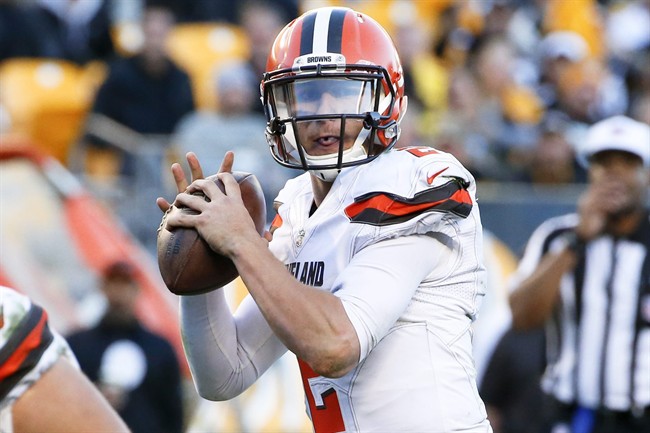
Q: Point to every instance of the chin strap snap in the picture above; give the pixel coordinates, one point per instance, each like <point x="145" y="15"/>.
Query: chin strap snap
<point x="371" y="120"/>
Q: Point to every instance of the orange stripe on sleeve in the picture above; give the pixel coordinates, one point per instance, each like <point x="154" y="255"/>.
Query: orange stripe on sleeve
<point x="32" y="341"/>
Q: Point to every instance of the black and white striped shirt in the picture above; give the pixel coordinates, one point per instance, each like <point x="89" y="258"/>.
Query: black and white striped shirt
<point x="598" y="339"/>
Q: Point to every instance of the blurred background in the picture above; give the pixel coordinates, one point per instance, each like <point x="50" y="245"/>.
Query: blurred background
<point x="99" y="97"/>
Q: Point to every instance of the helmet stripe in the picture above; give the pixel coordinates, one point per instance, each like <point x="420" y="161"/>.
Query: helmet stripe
<point x="307" y="34"/>
<point x="335" y="31"/>
<point x="321" y="31"/>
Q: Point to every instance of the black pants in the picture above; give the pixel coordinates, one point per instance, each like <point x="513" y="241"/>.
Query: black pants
<point x="560" y="415"/>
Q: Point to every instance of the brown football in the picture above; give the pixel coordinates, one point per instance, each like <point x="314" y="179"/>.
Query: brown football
<point x="187" y="264"/>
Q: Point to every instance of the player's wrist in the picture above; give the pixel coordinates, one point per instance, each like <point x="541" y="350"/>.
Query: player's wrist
<point x="244" y="245"/>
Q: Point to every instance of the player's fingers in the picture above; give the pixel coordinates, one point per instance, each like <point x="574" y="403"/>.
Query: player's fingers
<point x="163" y="204"/>
<point x="204" y="186"/>
<point x="179" y="177"/>
<point x="195" y="166"/>
<point x="177" y="218"/>
<point x="230" y="184"/>
<point x="195" y="202"/>
<point x="227" y="163"/>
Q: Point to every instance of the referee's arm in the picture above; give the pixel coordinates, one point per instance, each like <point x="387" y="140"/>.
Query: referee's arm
<point x="532" y="301"/>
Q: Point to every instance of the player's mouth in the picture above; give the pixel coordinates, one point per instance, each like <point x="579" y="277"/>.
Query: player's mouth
<point x="328" y="140"/>
<point x="325" y="144"/>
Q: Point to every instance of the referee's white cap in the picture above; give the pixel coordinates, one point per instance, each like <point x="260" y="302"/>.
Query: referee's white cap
<point x="617" y="133"/>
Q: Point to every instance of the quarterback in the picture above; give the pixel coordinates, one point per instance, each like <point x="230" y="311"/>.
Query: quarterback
<point x="371" y="273"/>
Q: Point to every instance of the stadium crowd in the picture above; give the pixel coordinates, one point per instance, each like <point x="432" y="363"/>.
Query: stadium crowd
<point x="509" y="87"/>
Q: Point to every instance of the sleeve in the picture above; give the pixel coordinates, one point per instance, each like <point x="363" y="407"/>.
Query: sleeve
<point x="28" y="346"/>
<point x="226" y="353"/>
<point x="380" y="281"/>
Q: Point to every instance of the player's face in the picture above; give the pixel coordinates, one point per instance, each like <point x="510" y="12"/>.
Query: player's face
<point x="323" y="97"/>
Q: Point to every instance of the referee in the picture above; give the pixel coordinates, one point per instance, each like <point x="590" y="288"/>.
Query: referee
<point x="586" y="277"/>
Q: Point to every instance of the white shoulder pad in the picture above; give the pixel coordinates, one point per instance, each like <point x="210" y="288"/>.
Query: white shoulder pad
<point x="415" y="190"/>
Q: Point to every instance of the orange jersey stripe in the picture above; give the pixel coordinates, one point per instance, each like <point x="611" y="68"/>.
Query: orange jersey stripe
<point x="24" y="348"/>
<point x="383" y="209"/>
<point x="276" y="223"/>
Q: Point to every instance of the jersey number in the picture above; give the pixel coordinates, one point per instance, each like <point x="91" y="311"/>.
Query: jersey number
<point x="324" y="407"/>
<point x="419" y="151"/>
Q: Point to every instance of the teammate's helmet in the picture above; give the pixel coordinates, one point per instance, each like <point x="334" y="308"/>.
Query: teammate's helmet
<point x="348" y="55"/>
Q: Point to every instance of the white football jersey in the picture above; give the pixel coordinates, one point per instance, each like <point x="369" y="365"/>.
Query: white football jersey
<point x="416" y="371"/>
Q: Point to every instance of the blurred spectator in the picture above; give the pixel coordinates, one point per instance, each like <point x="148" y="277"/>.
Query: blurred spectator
<point x="556" y="52"/>
<point x="497" y="16"/>
<point x="459" y="131"/>
<point x="510" y="386"/>
<point x="262" y="21"/>
<point x="75" y="30"/>
<point x="580" y="16"/>
<point x="19" y="30"/>
<point x="136" y="370"/>
<point x="588" y="92"/>
<point x="553" y="160"/>
<point x="641" y="108"/>
<point x="191" y="11"/>
<point x="507" y="112"/>
<point x="425" y="77"/>
<point x="628" y="28"/>
<point x="146" y="93"/>
<point x="628" y="40"/>
<point x="234" y="126"/>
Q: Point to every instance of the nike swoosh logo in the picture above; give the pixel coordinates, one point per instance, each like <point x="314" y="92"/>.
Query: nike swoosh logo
<point x="434" y="175"/>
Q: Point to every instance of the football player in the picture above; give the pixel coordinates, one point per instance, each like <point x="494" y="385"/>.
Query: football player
<point x="373" y="273"/>
<point x="41" y="386"/>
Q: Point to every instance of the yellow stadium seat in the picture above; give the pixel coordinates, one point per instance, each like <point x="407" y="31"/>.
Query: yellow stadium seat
<point x="199" y="48"/>
<point x="47" y="100"/>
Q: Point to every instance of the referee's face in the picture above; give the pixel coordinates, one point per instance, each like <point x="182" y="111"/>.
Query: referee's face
<point x="620" y="177"/>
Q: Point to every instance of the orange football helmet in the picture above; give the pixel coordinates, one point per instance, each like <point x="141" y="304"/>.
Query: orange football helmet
<point x="349" y="56"/>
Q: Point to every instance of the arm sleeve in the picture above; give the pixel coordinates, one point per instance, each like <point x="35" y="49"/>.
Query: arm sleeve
<point x="378" y="285"/>
<point x="226" y="353"/>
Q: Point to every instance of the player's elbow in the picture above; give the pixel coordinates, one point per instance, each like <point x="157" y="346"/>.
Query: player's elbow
<point x="337" y="360"/>
<point x="332" y="368"/>
<point x="210" y="389"/>
<point x="215" y="394"/>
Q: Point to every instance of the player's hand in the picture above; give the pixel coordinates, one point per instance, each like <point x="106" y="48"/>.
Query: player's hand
<point x="597" y="205"/>
<point x="196" y="172"/>
<point x="221" y="218"/>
